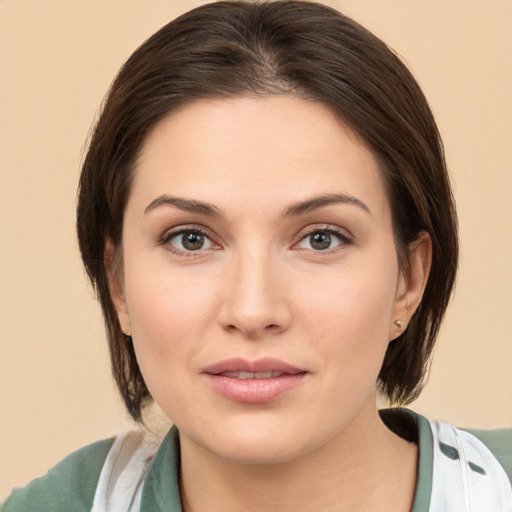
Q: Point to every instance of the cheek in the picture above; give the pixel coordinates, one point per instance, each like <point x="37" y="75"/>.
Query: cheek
<point x="165" y="302"/>
<point x="169" y="313"/>
<point x="165" y="333"/>
<point x="349" y="319"/>
<point x="355" y="300"/>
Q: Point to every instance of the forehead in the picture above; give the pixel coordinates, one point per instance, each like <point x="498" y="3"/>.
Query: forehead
<point x="270" y="149"/>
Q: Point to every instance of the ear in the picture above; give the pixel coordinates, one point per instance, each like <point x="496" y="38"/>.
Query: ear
<point x="113" y="265"/>
<point x="411" y="284"/>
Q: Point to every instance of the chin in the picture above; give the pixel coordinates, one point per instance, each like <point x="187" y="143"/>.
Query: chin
<point x="259" y="451"/>
<point x="255" y="442"/>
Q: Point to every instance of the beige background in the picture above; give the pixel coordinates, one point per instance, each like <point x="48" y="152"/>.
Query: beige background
<point x="56" y="61"/>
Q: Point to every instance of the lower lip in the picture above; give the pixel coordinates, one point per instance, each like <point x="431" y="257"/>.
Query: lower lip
<point x="254" y="391"/>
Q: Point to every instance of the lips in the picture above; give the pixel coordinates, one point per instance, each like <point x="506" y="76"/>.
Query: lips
<point x="253" y="382"/>
<point x="253" y="375"/>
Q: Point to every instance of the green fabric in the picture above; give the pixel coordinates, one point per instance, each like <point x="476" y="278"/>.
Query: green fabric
<point x="70" y="486"/>
<point x="67" y="487"/>
<point x="499" y="441"/>
<point x="161" y="490"/>
<point x="425" y="465"/>
<point x="415" y="428"/>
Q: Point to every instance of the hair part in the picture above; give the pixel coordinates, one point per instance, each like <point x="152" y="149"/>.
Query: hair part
<point x="227" y="49"/>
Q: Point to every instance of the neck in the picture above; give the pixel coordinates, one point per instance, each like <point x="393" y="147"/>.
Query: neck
<point x="365" y="467"/>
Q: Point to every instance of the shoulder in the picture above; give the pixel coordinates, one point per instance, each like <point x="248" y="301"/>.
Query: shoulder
<point x="70" y="485"/>
<point x="496" y="441"/>
<point x="499" y="442"/>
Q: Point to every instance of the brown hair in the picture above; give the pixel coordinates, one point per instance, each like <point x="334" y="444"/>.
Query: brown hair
<point x="286" y="47"/>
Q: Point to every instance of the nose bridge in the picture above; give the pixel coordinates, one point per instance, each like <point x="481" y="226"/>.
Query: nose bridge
<point x="254" y="302"/>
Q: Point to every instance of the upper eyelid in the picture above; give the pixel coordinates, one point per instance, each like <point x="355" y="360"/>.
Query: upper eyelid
<point x="177" y="230"/>
<point x="342" y="232"/>
<point x="345" y="239"/>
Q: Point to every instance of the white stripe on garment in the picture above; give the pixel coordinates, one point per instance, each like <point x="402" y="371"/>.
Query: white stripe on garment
<point x="122" y="477"/>
<point x="456" y="487"/>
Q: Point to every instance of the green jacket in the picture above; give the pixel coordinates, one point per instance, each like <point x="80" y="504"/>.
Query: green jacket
<point x="71" y="484"/>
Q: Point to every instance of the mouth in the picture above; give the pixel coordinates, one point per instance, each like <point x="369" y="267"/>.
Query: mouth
<point x="271" y="374"/>
<point x="253" y="382"/>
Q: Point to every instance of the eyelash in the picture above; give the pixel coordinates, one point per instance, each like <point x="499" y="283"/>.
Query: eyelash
<point x="169" y="235"/>
<point x="329" y="230"/>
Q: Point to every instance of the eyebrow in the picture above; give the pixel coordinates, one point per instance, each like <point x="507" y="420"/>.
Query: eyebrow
<point x="191" y="205"/>
<point x="324" y="200"/>
<point x="188" y="205"/>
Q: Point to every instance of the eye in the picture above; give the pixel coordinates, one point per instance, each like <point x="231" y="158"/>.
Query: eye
<point x="323" y="239"/>
<point x="188" y="240"/>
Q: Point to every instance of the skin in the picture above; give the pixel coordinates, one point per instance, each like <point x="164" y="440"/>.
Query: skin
<point x="260" y="286"/>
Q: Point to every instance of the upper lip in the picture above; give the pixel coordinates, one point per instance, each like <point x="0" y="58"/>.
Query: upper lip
<point x="260" y="365"/>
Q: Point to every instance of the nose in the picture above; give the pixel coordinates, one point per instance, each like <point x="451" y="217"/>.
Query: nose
<point x="254" y="301"/>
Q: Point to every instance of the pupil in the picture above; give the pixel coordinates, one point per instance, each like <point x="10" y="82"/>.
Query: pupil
<point x="193" y="241"/>
<point x="320" y="241"/>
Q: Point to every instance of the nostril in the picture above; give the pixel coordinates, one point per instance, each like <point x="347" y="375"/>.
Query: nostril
<point x="254" y="332"/>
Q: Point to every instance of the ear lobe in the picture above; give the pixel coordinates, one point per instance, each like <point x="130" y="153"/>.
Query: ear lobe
<point x="113" y="266"/>
<point x="411" y="285"/>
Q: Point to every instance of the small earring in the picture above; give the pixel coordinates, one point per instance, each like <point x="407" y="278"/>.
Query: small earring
<point x="399" y="323"/>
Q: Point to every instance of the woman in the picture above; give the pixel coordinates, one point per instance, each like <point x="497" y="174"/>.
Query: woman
<point x="266" y="216"/>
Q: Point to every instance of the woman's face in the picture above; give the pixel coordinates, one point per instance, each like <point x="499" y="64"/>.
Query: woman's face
<point x="260" y="279"/>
